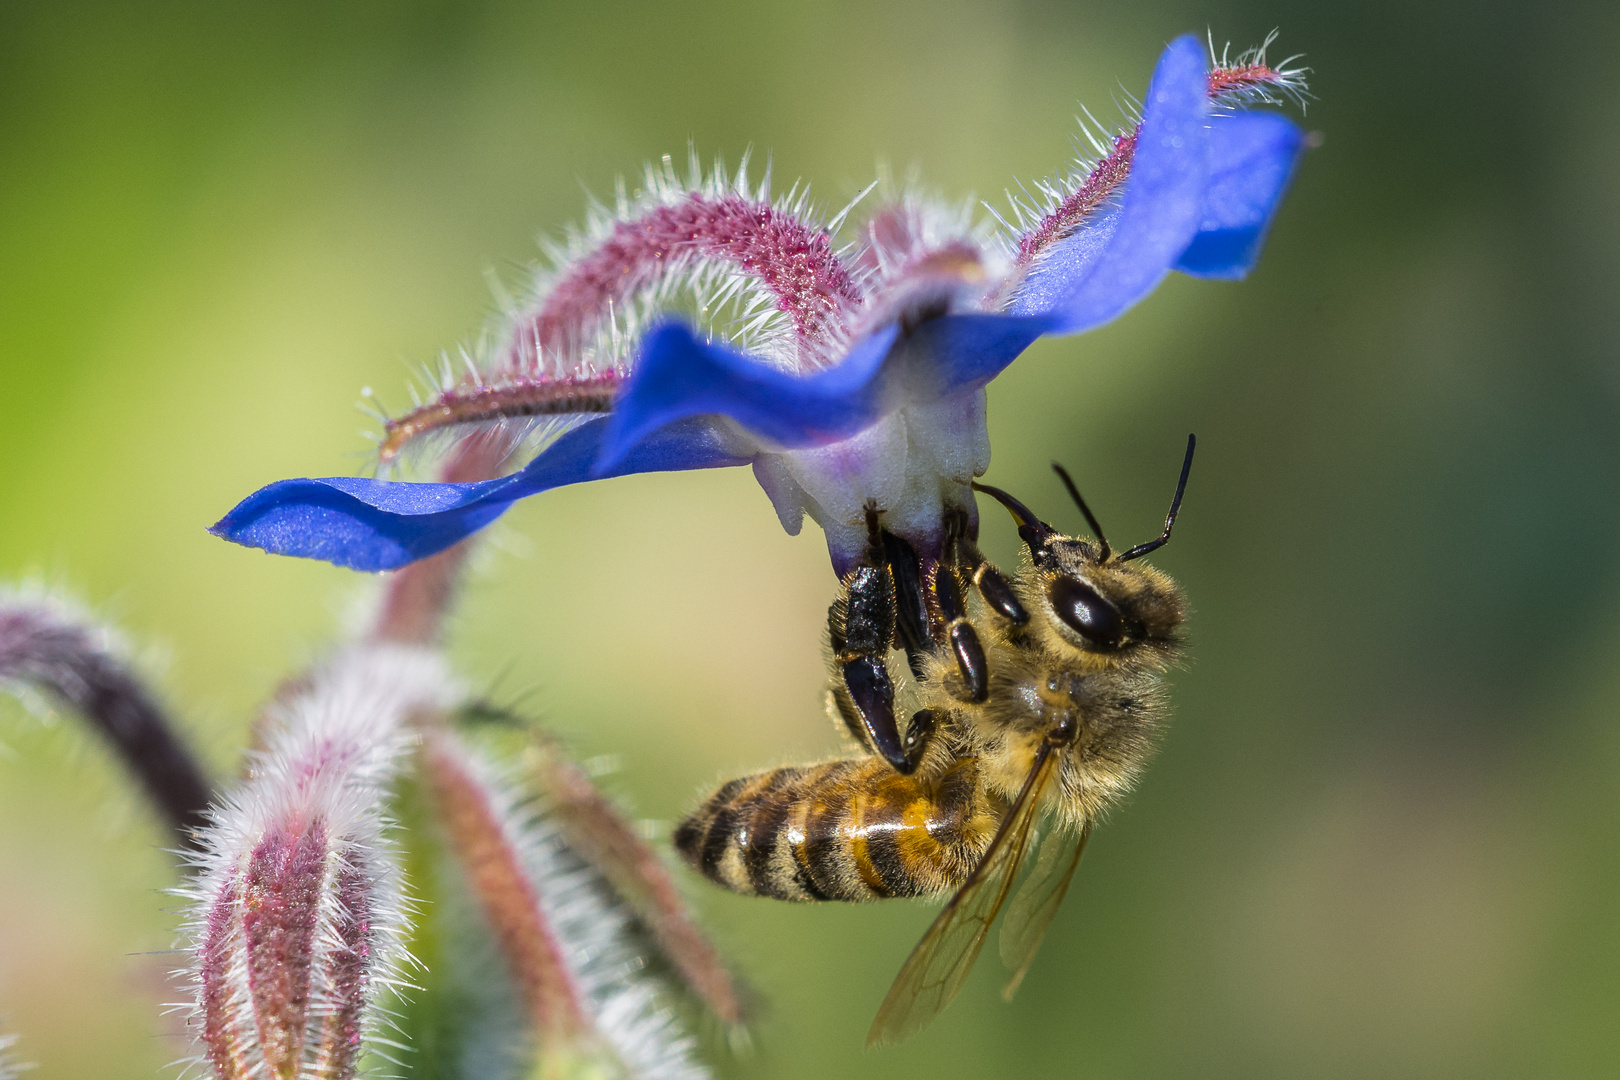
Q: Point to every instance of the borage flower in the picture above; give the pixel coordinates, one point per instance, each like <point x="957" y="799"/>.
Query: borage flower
<point x="849" y="379"/>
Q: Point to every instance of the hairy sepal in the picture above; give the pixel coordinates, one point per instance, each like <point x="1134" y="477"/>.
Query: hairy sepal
<point x="297" y="914"/>
<point x="565" y="939"/>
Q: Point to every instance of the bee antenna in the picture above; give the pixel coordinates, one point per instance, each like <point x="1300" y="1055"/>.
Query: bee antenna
<point x="1031" y="529"/>
<point x="1091" y="519"/>
<point x="1175" y="506"/>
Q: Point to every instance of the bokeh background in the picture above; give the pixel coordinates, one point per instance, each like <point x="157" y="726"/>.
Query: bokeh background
<point x="1383" y="838"/>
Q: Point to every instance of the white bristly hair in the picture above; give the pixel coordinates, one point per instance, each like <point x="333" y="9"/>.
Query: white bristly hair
<point x="729" y="304"/>
<point x="625" y="1003"/>
<point x="307" y="836"/>
<point x="10" y="1067"/>
<point x="766" y="275"/>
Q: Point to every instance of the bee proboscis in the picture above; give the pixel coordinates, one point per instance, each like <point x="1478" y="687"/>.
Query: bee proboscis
<point x="1046" y="706"/>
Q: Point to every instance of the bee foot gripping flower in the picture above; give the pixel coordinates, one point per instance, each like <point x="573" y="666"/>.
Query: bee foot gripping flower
<point x="847" y="377"/>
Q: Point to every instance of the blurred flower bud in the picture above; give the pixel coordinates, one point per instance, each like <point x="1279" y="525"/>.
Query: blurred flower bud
<point x="49" y="646"/>
<point x="565" y="936"/>
<point x="297" y="912"/>
<point x="596" y="830"/>
<point x="10" y="1067"/>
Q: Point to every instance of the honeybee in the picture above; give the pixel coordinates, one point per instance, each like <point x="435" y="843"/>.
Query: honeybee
<point x="1042" y="704"/>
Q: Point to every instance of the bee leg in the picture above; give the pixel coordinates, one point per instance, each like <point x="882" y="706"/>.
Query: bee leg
<point x="861" y="626"/>
<point x="948" y="583"/>
<point x="990" y="583"/>
<point x="963" y="639"/>
<point x="911" y="606"/>
<point x="919" y="733"/>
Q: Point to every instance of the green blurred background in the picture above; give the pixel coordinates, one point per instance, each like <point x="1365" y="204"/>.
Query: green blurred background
<point x="1383" y="839"/>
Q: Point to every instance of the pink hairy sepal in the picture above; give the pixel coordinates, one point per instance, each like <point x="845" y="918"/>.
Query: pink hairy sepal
<point x="544" y="371"/>
<point x="265" y="923"/>
<point x="348" y="977"/>
<point x="298" y="909"/>
<point x="225" y="1052"/>
<point x="1240" y="78"/>
<point x="1102" y="181"/>
<point x="280" y="906"/>
<point x="793" y="261"/>
<point x="482" y="840"/>
<point x="1226" y="83"/>
<point x="596" y="830"/>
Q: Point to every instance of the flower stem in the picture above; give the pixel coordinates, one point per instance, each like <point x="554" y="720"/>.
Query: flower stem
<point x="43" y="645"/>
<point x="418" y="597"/>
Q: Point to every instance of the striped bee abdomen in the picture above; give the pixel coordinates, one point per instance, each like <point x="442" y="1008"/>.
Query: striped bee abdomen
<point x="844" y="830"/>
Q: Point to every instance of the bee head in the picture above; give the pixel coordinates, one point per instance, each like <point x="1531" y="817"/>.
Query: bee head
<point x="1094" y="600"/>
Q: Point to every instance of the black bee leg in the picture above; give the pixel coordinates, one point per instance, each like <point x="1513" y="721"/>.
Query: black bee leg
<point x="991" y="585"/>
<point x="911" y="604"/>
<point x="861" y="625"/>
<point x="963" y="639"/>
<point x="973" y="567"/>
<point x="949" y="579"/>
<point x="919" y="733"/>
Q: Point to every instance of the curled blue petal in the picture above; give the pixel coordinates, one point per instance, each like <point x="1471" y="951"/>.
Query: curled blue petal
<point x="1086" y="279"/>
<point x="383" y="525"/>
<point x="1098" y="272"/>
<point x="1252" y="158"/>
<point x="677" y="377"/>
<point x="1199" y="198"/>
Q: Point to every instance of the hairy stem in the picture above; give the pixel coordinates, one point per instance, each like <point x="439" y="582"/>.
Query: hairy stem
<point x="44" y="647"/>
<point x="494" y="868"/>
<point x="418" y="597"/>
<point x="598" y="832"/>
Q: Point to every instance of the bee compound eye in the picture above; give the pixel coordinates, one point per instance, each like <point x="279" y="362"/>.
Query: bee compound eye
<point x="1086" y="612"/>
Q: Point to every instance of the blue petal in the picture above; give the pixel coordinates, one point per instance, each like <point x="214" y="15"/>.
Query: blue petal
<point x="1101" y="270"/>
<point x="383" y="525"/>
<point x="1252" y="158"/>
<point x="963" y="352"/>
<point x="1087" y="279"/>
<point x="678" y="377"/>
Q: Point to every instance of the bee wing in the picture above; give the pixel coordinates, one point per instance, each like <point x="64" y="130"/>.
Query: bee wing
<point x="1037" y="903"/>
<point x="941" y="961"/>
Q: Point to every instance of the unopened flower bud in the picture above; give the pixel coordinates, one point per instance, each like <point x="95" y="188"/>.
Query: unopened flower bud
<point x="298" y="912"/>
